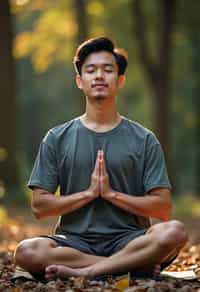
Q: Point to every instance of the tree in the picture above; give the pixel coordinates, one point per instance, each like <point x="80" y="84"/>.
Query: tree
<point x="188" y="25"/>
<point x="82" y="35"/>
<point x="82" y="20"/>
<point x="195" y="39"/>
<point x="8" y="168"/>
<point x="157" y="70"/>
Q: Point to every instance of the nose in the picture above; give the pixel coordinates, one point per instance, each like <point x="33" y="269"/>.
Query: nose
<point x="99" y="74"/>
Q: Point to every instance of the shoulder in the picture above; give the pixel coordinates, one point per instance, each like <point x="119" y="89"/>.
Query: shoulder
<point x="58" y="132"/>
<point x="140" y="133"/>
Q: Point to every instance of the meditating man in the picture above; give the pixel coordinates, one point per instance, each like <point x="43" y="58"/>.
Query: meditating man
<point x="112" y="178"/>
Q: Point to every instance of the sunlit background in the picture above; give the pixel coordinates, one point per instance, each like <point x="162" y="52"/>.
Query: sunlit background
<point x="38" y="89"/>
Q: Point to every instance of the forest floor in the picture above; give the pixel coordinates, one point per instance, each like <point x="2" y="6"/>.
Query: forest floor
<point x="18" y="227"/>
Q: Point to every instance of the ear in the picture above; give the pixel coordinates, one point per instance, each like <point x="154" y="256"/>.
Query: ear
<point x="121" y="80"/>
<point x="78" y="81"/>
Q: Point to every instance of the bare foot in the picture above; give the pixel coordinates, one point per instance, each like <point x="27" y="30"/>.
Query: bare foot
<point x="156" y="271"/>
<point x="148" y="272"/>
<point x="63" y="272"/>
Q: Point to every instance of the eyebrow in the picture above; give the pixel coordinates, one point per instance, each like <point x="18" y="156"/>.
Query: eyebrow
<point x="104" y="64"/>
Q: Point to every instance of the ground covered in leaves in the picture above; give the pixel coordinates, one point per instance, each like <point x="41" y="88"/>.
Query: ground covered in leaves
<point x="12" y="231"/>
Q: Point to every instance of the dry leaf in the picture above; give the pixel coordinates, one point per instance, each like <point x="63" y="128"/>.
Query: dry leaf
<point x="122" y="283"/>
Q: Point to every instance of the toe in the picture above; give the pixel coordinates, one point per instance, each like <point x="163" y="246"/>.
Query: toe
<point x="51" y="272"/>
<point x="51" y="269"/>
<point x="157" y="269"/>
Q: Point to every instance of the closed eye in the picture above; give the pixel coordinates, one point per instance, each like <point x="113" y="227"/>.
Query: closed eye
<point x="90" y="71"/>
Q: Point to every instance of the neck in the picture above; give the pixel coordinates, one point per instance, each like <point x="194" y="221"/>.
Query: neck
<point x="101" y="112"/>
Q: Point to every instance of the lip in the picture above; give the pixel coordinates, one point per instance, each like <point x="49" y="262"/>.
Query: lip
<point x="99" y="85"/>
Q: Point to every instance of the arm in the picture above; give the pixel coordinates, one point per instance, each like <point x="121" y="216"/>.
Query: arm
<point x="45" y="204"/>
<point x="156" y="203"/>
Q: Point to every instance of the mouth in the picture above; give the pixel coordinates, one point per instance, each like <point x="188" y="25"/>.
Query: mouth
<point x="99" y="85"/>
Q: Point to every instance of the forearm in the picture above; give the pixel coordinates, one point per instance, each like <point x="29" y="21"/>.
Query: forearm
<point x="48" y="204"/>
<point x="147" y="206"/>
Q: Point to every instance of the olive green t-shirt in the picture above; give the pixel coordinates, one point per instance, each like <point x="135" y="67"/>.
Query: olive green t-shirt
<point x="134" y="161"/>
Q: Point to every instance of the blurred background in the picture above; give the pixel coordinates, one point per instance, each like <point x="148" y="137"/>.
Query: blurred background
<point x="38" y="91"/>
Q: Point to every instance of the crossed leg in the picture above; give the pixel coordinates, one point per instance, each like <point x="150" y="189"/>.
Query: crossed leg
<point x="35" y="254"/>
<point x="162" y="242"/>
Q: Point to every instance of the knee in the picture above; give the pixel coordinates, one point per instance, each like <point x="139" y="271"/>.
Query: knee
<point x="173" y="235"/>
<point x="27" y="256"/>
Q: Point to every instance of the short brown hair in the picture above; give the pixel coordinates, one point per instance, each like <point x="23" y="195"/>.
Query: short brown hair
<point x="100" y="44"/>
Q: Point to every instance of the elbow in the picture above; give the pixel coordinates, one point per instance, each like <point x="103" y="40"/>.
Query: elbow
<point x="166" y="213"/>
<point x="38" y="214"/>
<point x="164" y="217"/>
<point x="39" y="203"/>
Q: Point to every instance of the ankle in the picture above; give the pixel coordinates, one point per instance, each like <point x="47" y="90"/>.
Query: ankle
<point x="87" y="272"/>
<point x="91" y="272"/>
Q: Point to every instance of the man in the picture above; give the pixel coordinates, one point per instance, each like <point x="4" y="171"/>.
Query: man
<point x="112" y="178"/>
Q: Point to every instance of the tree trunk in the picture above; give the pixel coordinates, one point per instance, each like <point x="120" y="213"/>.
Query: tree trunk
<point x="82" y="20"/>
<point x="195" y="38"/>
<point x="158" y="70"/>
<point x="82" y="35"/>
<point x="8" y="168"/>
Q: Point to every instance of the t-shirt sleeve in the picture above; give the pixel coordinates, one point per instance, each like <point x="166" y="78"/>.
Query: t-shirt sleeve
<point x="45" y="174"/>
<point x="155" y="172"/>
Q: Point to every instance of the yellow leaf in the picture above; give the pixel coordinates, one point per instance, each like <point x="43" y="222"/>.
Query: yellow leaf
<point x="196" y="209"/>
<point x="3" y="215"/>
<point x="122" y="283"/>
<point x="22" y="45"/>
<point x="21" y="2"/>
<point x="95" y="8"/>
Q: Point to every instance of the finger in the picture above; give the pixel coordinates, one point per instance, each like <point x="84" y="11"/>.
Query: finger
<point x="99" y="161"/>
<point x="99" y="154"/>
<point x="103" y="164"/>
<point x="97" y="165"/>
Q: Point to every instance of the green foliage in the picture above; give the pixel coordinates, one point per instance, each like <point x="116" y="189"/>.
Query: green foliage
<point x="50" y="39"/>
<point x="186" y="205"/>
<point x="15" y="196"/>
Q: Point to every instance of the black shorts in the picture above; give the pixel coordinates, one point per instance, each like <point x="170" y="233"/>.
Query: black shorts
<point x="102" y="245"/>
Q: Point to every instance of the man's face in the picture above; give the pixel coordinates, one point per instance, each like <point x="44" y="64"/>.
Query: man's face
<point x="99" y="76"/>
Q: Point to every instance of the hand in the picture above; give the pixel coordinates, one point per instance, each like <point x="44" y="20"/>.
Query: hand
<point x="94" y="188"/>
<point x="105" y="190"/>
